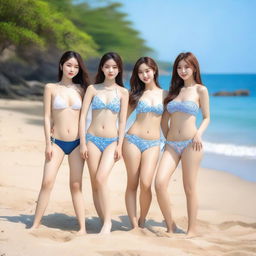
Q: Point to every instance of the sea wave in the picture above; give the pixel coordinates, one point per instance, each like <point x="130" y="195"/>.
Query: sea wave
<point x="230" y="150"/>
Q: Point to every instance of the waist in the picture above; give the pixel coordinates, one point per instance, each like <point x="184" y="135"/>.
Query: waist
<point x="148" y="133"/>
<point x="103" y="130"/>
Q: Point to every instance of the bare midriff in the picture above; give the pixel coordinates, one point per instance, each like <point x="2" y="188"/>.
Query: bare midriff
<point x="146" y="126"/>
<point x="65" y="124"/>
<point x="182" y="127"/>
<point x="104" y="123"/>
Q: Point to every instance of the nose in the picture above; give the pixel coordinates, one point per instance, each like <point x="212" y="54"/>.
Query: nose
<point x="110" y="69"/>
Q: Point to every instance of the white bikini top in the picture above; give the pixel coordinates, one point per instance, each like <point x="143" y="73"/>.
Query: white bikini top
<point x="59" y="103"/>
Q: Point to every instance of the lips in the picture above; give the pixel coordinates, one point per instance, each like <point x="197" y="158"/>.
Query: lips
<point x="71" y="74"/>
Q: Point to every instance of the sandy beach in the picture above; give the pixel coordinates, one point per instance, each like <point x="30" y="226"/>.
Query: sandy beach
<point x="226" y="217"/>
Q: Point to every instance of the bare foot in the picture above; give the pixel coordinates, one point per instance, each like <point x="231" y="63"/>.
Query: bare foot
<point x="141" y="223"/>
<point x="106" y="228"/>
<point x="33" y="227"/>
<point x="81" y="232"/>
<point x="191" y="234"/>
<point x="173" y="229"/>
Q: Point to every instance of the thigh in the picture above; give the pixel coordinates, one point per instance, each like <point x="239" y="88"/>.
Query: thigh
<point x="107" y="161"/>
<point x="148" y="164"/>
<point x="94" y="156"/>
<point x="132" y="158"/>
<point x="167" y="165"/>
<point x="190" y="160"/>
<point x="76" y="165"/>
<point x="51" y="167"/>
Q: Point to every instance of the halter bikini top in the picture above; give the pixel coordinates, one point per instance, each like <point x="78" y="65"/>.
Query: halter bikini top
<point x="60" y="103"/>
<point x="144" y="107"/>
<point x="113" y="105"/>
<point x="189" y="107"/>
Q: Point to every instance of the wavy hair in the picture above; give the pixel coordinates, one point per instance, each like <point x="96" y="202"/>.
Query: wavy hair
<point x="137" y="86"/>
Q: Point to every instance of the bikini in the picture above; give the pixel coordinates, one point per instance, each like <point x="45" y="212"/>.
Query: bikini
<point x="97" y="104"/>
<point x="143" y="144"/>
<point x="188" y="107"/>
<point x="59" y="104"/>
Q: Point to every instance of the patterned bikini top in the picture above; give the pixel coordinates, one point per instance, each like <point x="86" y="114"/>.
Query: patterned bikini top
<point x="189" y="107"/>
<point x="113" y="105"/>
<point x="144" y="107"/>
<point x="60" y="103"/>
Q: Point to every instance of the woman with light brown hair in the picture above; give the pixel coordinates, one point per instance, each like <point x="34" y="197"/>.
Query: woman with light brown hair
<point x="183" y="138"/>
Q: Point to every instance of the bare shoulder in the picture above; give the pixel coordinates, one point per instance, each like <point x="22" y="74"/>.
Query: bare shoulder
<point x="50" y="86"/>
<point x="201" y="89"/>
<point x="91" y="88"/>
<point x="123" y="91"/>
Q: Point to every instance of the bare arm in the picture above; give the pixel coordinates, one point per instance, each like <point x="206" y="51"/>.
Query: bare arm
<point x="204" y="103"/>
<point x="47" y="120"/>
<point x="85" y="107"/>
<point x="129" y="110"/>
<point x="164" y="123"/>
<point x="123" y="116"/>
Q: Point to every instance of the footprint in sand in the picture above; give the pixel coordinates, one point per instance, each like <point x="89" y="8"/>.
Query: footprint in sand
<point x="56" y="235"/>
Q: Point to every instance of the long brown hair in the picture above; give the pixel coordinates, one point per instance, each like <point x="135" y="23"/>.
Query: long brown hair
<point x="177" y="82"/>
<point x="82" y="77"/>
<point x="100" y="77"/>
<point x="137" y="86"/>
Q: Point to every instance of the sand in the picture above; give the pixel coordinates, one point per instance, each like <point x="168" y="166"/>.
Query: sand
<point x="226" y="217"/>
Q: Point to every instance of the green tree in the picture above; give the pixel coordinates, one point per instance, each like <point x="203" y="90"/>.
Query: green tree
<point x="26" y="23"/>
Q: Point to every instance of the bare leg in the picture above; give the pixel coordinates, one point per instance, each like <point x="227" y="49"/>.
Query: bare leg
<point x="93" y="164"/>
<point x="147" y="169"/>
<point x="190" y="160"/>
<point x="106" y="164"/>
<point x="76" y="164"/>
<point x="132" y="157"/>
<point x="166" y="168"/>
<point x="50" y="171"/>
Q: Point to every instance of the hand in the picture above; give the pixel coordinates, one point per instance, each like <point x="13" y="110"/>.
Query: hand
<point x="197" y="143"/>
<point x="48" y="152"/>
<point x="83" y="151"/>
<point x="118" y="153"/>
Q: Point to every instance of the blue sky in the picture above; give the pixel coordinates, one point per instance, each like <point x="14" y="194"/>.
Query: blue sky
<point x="222" y="34"/>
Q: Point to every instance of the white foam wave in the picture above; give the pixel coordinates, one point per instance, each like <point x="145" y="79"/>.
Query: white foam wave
<point x="230" y="150"/>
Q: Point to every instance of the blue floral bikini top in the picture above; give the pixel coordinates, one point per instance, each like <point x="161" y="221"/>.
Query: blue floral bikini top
<point x="113" y="105"/>
<point x="189" y="107"/>
<point x="144" y="107"/>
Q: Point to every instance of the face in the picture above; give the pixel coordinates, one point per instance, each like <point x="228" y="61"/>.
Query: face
<point x="146" y="73"/>
<point x="70" y="68"/>
<point x="110" y="69"/>
<point x="184" y="70"/>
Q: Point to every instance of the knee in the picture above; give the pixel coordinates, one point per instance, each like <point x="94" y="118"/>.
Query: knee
<point x="145" y="186"/>
<point x="160" y="186"/>
<point x="190" y="191"/>
<point x="100" y="181"/>
<point x="47" y="185"/>
<point x="132" y="186"/>
<point x="75" y="186"/>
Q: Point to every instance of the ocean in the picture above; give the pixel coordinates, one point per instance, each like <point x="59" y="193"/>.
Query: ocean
<point x="230" y="139"/>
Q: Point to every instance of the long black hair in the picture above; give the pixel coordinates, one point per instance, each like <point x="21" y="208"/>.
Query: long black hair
<point x="100" y="77"/>
<point x="82" y="77"/>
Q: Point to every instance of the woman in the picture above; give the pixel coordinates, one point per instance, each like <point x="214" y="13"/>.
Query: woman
<point x="142" y="141"/>
<point x="62" y="105"/>
<point x="101" y="144"/>
<point x="184" y="143"/>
